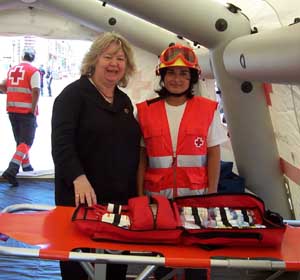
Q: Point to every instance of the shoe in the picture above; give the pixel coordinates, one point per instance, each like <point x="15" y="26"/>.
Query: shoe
<point x="10" y="178"/>
<point x="27" y="168"/>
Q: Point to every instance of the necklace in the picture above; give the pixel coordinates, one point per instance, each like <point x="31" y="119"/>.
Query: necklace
<point x="109" y="99"/>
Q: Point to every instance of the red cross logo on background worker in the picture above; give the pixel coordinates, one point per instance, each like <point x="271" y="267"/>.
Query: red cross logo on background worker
<point x="198" y="142"/>
<point x="16" y="75"/>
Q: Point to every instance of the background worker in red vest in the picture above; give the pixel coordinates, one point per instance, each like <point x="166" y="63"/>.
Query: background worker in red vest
<point x="23" y="89"/>
<point x="182" y="133"/>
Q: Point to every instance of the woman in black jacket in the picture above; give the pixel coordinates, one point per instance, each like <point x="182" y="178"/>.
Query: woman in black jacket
<point x="95" y="137"/>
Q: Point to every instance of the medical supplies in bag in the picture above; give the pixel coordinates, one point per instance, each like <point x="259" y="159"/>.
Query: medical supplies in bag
<point x="143" y="220"/>
<point x="229" y="220"/>
<point x="208" y="220"/>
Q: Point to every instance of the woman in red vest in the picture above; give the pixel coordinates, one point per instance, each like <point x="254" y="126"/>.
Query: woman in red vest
<point x="23" y="90"/>
<point x="182" y="133"/>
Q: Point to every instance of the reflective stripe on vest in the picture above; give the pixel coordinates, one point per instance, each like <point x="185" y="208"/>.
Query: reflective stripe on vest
<point x="19" y="89"/>
<point x="160" y="162"/>
<point x="180" y="192"/>
<point x="19" y="104"/>
<point x="182" y="161"/>
<point x="191" y="161"/>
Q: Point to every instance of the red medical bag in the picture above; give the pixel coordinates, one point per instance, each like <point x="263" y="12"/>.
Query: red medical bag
<point x="239" y="220"/>
<point x="143" y="220"/>
<point x="208" y="220"/>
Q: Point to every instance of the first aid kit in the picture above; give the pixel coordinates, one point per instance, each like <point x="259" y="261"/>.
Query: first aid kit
<point x="209" y="220"/>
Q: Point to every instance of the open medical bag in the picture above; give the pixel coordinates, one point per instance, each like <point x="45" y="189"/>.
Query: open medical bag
<point x="229" y="220"/>
<point x="208" y="220"/>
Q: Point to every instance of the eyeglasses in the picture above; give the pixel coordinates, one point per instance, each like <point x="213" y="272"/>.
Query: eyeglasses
<point x="177" y="51"/>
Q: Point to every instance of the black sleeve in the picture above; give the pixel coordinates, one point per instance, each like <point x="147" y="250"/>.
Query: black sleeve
<point x="65" y="120"/>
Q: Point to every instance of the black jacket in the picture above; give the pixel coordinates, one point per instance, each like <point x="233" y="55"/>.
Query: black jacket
<point x="92" y="137"/>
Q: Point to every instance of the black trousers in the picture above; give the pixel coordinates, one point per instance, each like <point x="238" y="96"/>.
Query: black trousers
<point x="24" y="127"/>
<point x="74" y="271"/>
<point x="190" y="274"/>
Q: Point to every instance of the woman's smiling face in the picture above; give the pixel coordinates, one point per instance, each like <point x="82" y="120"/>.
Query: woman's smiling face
<point x="111" y="65"/>
<point x="177" y="79"/>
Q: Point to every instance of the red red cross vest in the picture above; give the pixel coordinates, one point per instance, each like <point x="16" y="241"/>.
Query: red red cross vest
<point x="19" y="91"/>
<point x="185" y="172"/>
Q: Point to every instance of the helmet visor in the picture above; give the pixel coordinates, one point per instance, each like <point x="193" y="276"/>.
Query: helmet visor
<point x="175" y="52"/>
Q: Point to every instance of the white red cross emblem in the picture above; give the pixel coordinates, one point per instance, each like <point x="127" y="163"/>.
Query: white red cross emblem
<point x="198" y="142"/>
<point x="16" y="75"/>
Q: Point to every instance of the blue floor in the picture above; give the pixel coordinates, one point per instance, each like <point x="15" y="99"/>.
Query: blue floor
<point x="34" y="191"/>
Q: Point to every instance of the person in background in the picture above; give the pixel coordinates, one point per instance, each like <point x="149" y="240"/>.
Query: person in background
<point x="49" y="78"/>
<point x="23" y="88"/>
<point x="95" y="136"/>
<point x="180" y="153"/>
<point x="42" y="72"/>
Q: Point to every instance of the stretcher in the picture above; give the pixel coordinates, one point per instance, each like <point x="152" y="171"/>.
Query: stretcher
<point x="50" y="229"/>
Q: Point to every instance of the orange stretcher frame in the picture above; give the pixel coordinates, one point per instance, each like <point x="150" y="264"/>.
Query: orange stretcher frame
<point x="56" y="238"/>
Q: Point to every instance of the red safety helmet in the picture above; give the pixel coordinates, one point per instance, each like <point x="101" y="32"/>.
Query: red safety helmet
<point x="178" y="55"/>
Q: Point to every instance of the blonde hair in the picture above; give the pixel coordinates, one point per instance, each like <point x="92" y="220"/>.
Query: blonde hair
<point x="99" y="45"/>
